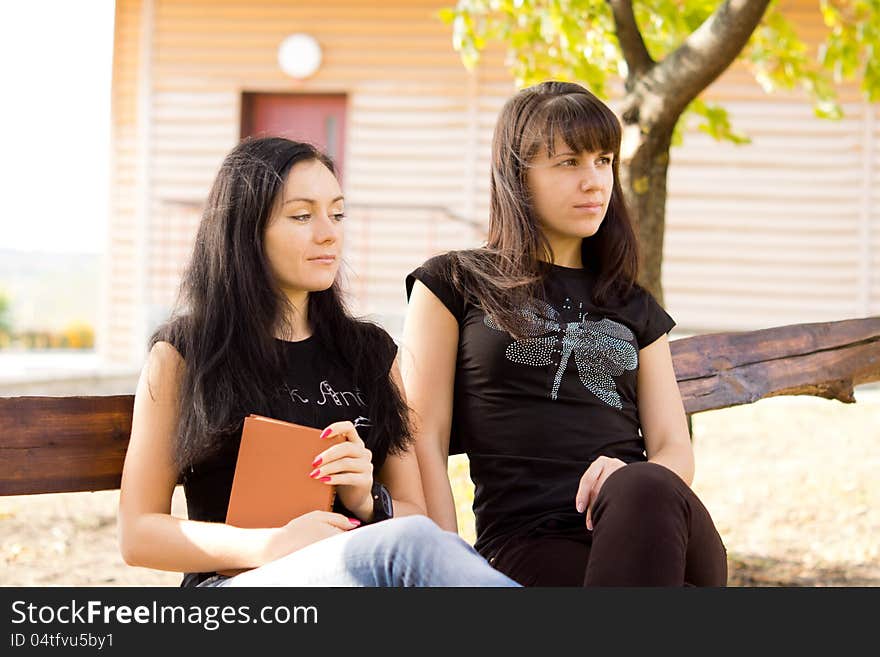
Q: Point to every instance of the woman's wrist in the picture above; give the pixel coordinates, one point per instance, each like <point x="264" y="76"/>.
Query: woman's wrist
<point x="364" y="510"/>
<point x="259" y="545"/>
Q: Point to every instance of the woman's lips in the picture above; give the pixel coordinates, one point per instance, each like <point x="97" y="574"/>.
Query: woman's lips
<point x="324" y="260"/>
<point x="589" y="207"/>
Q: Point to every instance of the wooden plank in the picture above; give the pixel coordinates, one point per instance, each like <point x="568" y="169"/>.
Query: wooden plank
<point x="824" y="359"/>
<point x="66" y="444"/>
<point x="63" y="444"/>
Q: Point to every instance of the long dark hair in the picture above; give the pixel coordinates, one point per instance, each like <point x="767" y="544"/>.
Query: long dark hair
<point x="508" y="271"/>
<point x="229" y="307"/>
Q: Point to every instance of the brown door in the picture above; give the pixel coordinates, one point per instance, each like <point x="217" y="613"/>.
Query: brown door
<point x="315" y="118"/>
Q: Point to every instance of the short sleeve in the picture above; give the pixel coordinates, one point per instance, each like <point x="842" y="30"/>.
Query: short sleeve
<point x="435" y="274"/>
<point x="389" y="351"/>
<point x="655" y="321"/>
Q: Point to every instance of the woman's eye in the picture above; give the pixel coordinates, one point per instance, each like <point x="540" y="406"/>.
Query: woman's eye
<point x="301" y="217"/>
<point x="339" y="216"/>
<point x="568" y="163"/>
<point x="605" y="160"/>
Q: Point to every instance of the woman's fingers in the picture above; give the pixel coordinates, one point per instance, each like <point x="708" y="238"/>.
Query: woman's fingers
<point x="345" y="429"/>
<point x="354" y="479"/>
<point x="594" y="493"/>
<point x="609" y="467"/>
<point x="341" y="451"/>
<point x="588" y="480"/>
<point x="343" y="466"/>
<point x="337" y="520"/>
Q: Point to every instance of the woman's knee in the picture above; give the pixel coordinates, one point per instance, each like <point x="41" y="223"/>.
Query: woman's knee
<point x="643" y="484"/>
<point x="411" y="529"/>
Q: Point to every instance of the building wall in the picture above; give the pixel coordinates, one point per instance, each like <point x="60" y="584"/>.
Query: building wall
<point x="783" y="230"/>
<point x="115" y="331"/>
<point x="777" y="232"/>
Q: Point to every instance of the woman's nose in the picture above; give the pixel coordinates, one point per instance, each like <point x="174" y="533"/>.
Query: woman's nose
<point x="324" y="230"/>
<point x="588" y="180"/>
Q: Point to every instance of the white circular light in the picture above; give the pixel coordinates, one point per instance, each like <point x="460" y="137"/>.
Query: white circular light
<point x="299" y="55"/>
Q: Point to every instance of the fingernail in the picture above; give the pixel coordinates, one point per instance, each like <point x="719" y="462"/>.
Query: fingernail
<point x="317" y="462"/>
<point x="580" y="507"/>
<point x="326" y="433"/>
<point x="590" y="526"/>
<point x="314" y="473"/>
<point x="324" y="479"/>
<point x="354" y="521"/>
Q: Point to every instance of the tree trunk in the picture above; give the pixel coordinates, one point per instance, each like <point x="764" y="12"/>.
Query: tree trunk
<point x="643" y="179"/>
<point x="657" y="95"/>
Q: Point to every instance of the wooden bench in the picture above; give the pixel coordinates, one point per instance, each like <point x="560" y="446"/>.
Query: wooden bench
<point x="67" y="444"/>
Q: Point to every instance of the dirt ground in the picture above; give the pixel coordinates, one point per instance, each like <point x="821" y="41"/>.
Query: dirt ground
<point x="791" y="483"/>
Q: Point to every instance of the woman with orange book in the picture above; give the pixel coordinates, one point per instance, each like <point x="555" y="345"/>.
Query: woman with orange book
<point x="261" y="329"/>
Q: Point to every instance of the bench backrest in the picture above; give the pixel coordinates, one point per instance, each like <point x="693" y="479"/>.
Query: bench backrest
<point x="65" y="444"/>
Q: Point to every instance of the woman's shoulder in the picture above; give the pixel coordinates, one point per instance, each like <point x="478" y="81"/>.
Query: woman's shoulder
<point x="646" y="298"/>
<point x="373" y="345"/>
<point x="440" y="264"/>
<point x="649" y="315"/>
<point x="447" y="276"/>
<point x="166" y="353"/>
<point x="172" y="335"/>
<point x="374" y="330"/>
<point x="369" y="334"/>
<point x="163" y="370"/>
<point x="450" y="261"/>
<point x="628" y="293"/>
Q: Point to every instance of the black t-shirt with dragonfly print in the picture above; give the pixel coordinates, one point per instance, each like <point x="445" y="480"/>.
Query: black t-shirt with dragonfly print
<point x="533" y="413"/>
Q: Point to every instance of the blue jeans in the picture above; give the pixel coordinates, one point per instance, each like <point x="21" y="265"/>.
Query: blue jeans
<point x="407" y="551"/>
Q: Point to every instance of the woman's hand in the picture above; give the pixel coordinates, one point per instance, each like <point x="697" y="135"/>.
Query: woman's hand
<point x="348" y="466"/>
<point x="304" y="530"/>
<point x="591" y="484"/>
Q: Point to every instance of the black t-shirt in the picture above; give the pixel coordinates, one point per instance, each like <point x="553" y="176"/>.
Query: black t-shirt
<point x="532" y="414"/>
<point x="315" y="391"/>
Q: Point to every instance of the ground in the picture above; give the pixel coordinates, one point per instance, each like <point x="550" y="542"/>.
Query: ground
<point x="791" y="484"/>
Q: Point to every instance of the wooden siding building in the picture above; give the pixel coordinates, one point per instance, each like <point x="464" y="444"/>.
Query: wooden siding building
<point x="784" y="230"/>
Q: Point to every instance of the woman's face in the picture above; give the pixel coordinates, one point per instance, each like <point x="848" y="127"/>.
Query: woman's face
<point x="303" y="238"/>
<point x="570" y="191"/>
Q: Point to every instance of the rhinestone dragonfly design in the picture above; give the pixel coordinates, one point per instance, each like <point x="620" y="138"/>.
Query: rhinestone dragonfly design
<point x="601" y="349"/>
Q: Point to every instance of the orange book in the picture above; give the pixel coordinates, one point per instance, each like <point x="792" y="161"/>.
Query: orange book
<point x="271" y="484"/>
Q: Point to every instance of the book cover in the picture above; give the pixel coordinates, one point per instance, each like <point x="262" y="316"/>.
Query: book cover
<point x="271" y="484"/>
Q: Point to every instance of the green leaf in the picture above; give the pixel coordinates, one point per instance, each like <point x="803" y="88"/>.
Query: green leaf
<point x="576" y="40"/>
<point x="716" y="122"/>
<point x="447" y="15"/>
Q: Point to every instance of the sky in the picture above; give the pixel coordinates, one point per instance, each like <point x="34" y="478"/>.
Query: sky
<point x="55" y="68"/>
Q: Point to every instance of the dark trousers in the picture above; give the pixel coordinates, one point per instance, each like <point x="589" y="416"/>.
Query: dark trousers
<point x="649" y="529"/>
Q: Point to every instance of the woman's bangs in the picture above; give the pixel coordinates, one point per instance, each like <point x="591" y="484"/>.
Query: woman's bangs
<point x="582" y="125"/>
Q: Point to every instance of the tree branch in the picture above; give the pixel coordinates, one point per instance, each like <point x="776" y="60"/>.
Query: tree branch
<point x="686" y="72"/>
<point x="638" y="59"/>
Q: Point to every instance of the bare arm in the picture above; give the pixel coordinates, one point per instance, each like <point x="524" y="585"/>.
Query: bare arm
<point x="149" y="535"/>
<point x="430" y="345"/>
<point x="400" y="473"/>
<point x="661" y="411"/>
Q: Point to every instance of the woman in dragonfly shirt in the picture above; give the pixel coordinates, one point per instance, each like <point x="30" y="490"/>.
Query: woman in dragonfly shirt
<point x="541" y="358"/>
<point x="262" y="329"/>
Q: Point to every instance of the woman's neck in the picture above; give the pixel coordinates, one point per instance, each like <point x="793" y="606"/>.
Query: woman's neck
<point x="296" y="325"/>
<point x="568" y="254"/>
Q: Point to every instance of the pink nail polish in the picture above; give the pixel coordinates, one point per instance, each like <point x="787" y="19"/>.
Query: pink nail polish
<point x="326" y="433"/>
<point x="314" y="473"/>
<point x="354" y="521"/>
<point x="317" y="462"/>
<point x="325" y="479"/>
